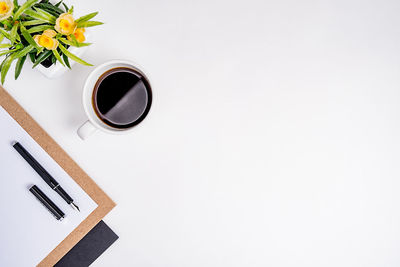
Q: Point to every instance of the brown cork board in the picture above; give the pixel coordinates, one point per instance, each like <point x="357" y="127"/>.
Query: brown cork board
<point x="105" y="204"/>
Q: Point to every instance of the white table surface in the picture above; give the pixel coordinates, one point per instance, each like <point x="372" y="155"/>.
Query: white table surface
<point x="273" y="139"/>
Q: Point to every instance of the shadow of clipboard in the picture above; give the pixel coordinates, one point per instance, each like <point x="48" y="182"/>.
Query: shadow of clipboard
<point x="105" y="204"/>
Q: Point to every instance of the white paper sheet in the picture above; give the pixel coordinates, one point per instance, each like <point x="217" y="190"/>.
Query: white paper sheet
<point x="29" y="232"/>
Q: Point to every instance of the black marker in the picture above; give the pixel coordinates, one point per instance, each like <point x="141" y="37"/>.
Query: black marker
<point x="45" y="175"/>
<point x="47" y="202"/>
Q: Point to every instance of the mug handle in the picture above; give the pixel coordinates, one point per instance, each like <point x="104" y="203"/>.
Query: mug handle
<point x="86" y="130"/>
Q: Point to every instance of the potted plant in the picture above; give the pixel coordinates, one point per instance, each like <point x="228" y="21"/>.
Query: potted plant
<point x="42" y="31"/>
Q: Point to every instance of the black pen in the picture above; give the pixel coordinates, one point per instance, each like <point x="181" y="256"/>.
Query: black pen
<point x="46" y="201"/>
<point x="44" y="174"/>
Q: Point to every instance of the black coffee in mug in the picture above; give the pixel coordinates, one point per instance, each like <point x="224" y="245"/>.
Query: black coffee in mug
<point x="122" y="97"/>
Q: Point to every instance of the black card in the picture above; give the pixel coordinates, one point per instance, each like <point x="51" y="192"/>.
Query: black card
<point x="86" y="251"/>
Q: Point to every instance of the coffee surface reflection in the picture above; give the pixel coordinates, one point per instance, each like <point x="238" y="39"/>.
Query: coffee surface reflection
<point x="122" y="97"/>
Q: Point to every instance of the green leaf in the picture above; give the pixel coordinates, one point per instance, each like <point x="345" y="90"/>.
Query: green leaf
<point x="18" y="66"/>
<point x="7" y="51"/>
<point x="58" y="57"/>
<point x="40" y="28"/>
<point x="6" y="23"/>
<point x="28" y="37"/>
<point x="72" y="43"/>
<point x="2" y="64"/>
<point x="66" y="7"/>
<point x="71" y="10"/>
<point x="5" y="45"/>
<point x="58" y="4"/>
<point x="32" y="56"/>
<point x="50" y="8"/>
<point x="1" y="38"/>
<point x="23" y="52"/>
<point x="40" y="50"/>
<point x="13" y="33"/>
<point x="67" y="42"/>
<point x="46" y="14"/>
<point x="33" y="14"/>
<point x="66" y="61"/>
<point x="6" y="66"/>
<point x="5" y="34"/>
<point x="51" y="12"/>
<point x="33" y="22"/>
<point x="42" y="57"/>
<point x="72" y="56"/>
<point x="40" y="16"/>
<point x="87" y="17"/>
<point x="86" y="24"/>
<point x="24" y="7"/>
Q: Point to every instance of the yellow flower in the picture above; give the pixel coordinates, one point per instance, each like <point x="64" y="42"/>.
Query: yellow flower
<point x="6" y="8"/>
<point x="65" y="24"/>
<point x="79" y="35"/>
<point x="46" y="39"/>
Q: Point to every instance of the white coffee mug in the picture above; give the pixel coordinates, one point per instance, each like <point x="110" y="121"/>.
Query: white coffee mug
<point x="95" y="123"/>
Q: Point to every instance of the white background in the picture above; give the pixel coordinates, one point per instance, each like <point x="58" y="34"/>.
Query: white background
<point x="273" y="139"/>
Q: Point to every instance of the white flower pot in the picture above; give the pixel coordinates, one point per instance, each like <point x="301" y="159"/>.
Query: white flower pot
<point x="56" y="70"/>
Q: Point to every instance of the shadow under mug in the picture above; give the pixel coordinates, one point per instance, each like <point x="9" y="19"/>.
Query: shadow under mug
<point x="94" y="123"/>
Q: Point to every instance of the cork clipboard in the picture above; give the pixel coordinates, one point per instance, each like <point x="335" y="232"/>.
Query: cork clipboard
<point x="105" y="204"/>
